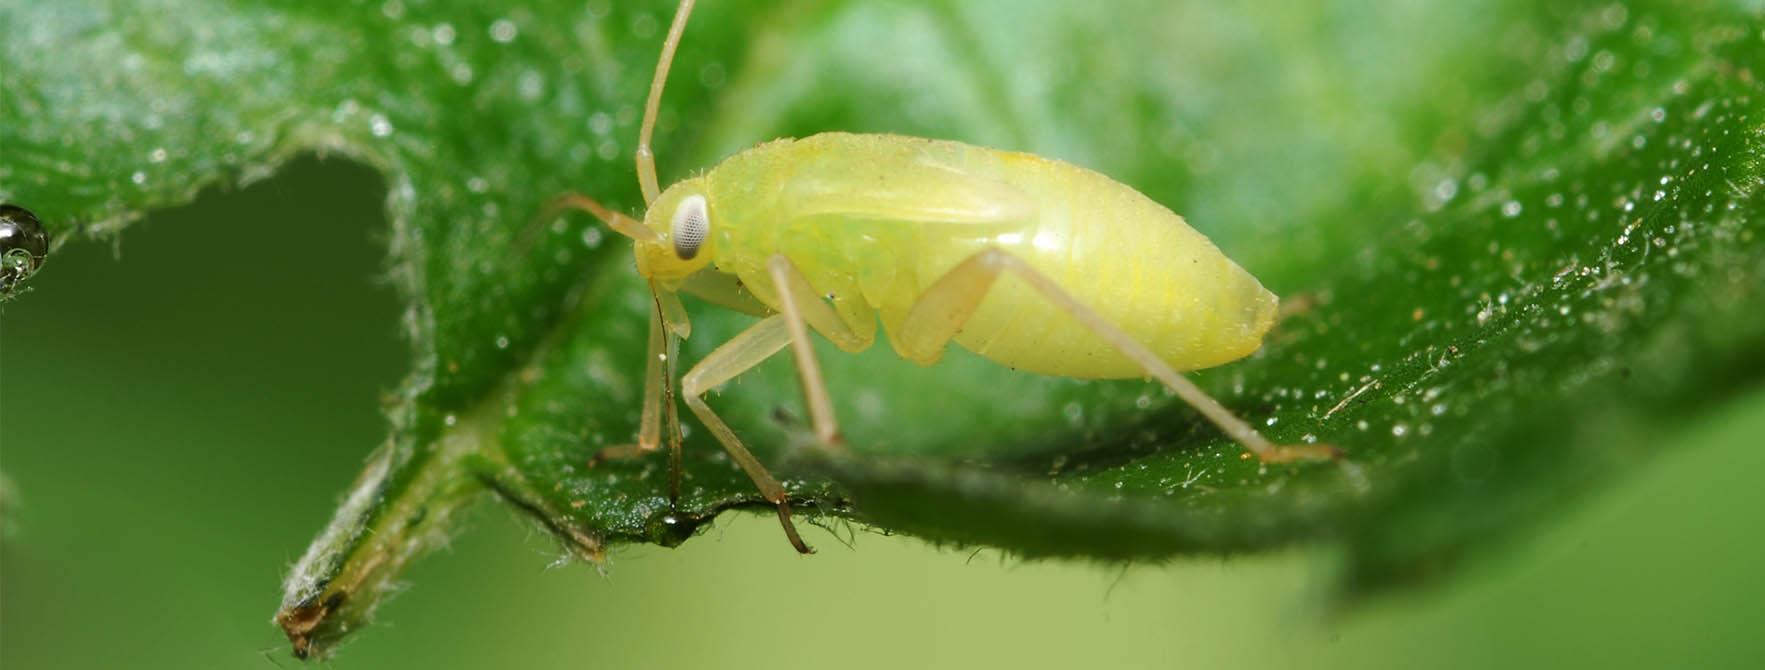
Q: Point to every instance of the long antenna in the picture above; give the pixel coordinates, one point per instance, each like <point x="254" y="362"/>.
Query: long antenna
<point x="646" y="159"/>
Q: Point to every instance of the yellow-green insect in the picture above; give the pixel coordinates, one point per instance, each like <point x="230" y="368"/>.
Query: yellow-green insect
<point x="1033" y="263"/>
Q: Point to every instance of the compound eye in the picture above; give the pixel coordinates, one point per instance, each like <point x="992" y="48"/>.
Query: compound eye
<point x="691" y="225"/>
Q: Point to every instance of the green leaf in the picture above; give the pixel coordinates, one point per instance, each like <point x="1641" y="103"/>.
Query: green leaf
<point x="1528" y="236"/>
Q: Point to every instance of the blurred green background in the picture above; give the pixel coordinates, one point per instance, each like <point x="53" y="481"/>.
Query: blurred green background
<point x="179" y="412"/>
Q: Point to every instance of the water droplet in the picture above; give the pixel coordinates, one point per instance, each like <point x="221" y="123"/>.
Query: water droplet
<point x="503" y="31"/>
<point x="443" y="34"/>
<point x="450" y="419"/>
<point x="1400" y="430"/>
<point x="1604" y="60"/>
<point x="591" y="237"/>
<point x="158" y="155"/>
<point x="643" y="27"/>
<point x="1446" y="189"/>
<point x="713" y="75"/>
<point x="1075" y="413"/>
<point x="531" y="85"/>
<point x="139" y="177"/>
<point x="23" y="245"/>
<point x="1536" y="90"/>
<point x="502" y="341"/>
<point x="1576" y="49"/>
<point x="600" y="123"/>
<point x="379" y="125"/>
<point x="1510" y="208"/>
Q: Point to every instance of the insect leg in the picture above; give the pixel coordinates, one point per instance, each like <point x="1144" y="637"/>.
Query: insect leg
<point x="646" y="159"/>
<point x="952" y="299"/>
<point x="649" y="422"/>
<point x="800" y="306"/>
<point x="740" y="354"/>
<point x="724" y="290"/>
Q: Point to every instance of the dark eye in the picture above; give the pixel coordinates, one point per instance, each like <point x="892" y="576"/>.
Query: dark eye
<point x="23" y="244"/>
<point x="691" y="225"/>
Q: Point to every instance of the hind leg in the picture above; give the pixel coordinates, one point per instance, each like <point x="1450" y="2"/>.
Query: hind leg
<point x="942" y="309"/>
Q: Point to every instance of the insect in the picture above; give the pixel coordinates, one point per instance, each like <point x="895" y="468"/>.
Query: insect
<point x="1033" y="263"/>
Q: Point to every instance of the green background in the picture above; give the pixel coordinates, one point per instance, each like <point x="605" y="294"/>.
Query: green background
<point x="178" y="414"/>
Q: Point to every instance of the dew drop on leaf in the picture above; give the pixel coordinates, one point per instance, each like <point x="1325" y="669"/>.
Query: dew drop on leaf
<point x="23" y="244"/>
<point x="503" y="31"/>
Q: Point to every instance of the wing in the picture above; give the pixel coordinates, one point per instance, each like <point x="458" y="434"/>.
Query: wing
<point x="908" y="179"/>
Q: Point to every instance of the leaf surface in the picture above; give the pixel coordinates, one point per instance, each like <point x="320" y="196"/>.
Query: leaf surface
<point x="1527" y="237"/>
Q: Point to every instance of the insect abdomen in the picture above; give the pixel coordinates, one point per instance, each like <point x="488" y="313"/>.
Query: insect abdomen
<point x="1135" y="262"/>
<point x="894" y="214"/>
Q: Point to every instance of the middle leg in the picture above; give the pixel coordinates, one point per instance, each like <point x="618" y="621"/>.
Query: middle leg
<point x="801" y="307"/>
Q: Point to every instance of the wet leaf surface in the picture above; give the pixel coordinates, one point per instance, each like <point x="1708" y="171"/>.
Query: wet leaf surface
<point x="1525" y="240"/>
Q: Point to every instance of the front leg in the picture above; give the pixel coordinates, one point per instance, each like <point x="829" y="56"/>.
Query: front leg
<point x="740" y="354"/>
<point x="658" y="404"/>
<point x="798" y="307"/>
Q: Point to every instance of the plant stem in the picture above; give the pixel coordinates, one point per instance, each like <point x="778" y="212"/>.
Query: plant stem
<point x="400" y="506"/>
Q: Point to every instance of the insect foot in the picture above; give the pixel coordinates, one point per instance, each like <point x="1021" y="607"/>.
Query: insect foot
<point x="1292" y="453"/>
<point x="790" y="529"/>
<point x="618" y="452"/>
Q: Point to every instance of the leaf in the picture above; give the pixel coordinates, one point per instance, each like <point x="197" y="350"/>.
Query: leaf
<point x="1528" y="237"/>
